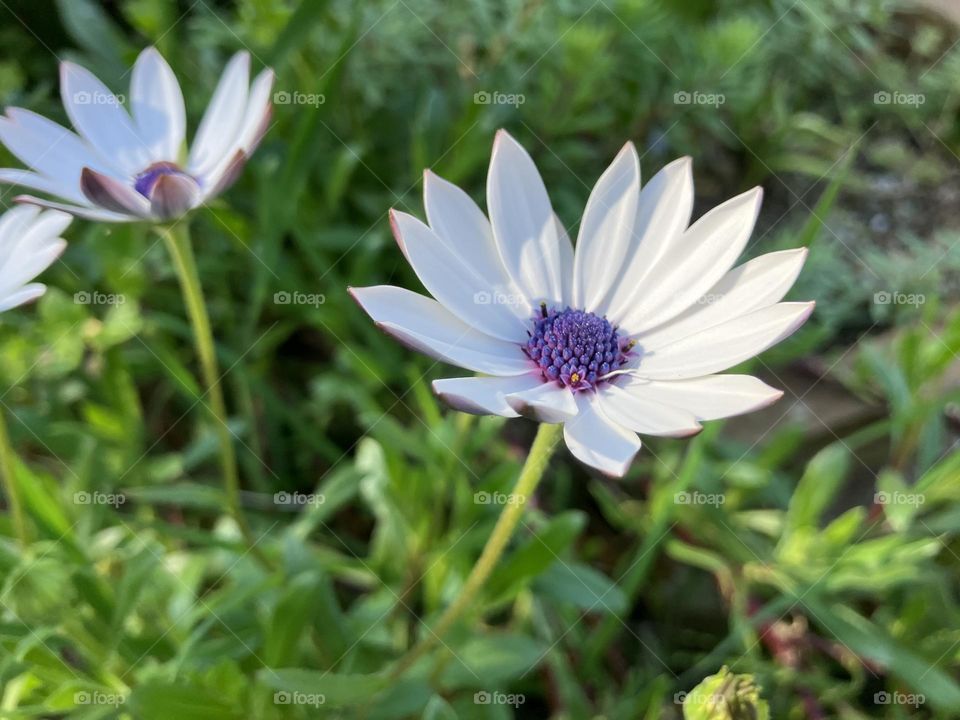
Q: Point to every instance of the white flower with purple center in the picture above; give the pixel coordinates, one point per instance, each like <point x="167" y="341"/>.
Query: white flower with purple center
<point x="122" y="166"/>
<point x="625" y="335"/>
<point x="29" y="243"/>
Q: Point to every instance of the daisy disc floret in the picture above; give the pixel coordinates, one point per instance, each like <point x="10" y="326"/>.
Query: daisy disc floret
<point x="123" y="166"/>
<point x="624" y="335"/>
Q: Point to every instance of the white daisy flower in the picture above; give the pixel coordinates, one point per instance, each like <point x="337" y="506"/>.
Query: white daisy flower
<point x="622" y="336"/>
<point x="120" y="166"/>
<point x="29" y="243"/>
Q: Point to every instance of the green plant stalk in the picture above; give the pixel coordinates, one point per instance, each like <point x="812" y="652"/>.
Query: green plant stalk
<point x="8" y="471"/>
<point x="548" y="435"/>
<point x="177" y="238"/>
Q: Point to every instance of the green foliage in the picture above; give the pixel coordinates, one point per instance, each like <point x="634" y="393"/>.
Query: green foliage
<point x="812" y="547"/>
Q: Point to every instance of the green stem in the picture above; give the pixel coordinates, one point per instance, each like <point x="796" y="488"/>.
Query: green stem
<point x="543" y="446"/>
<point x="8" y="472"/>
<point x="177" y="238"/>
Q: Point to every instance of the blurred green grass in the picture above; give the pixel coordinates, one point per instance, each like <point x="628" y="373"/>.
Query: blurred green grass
<point x="615" y="596"/>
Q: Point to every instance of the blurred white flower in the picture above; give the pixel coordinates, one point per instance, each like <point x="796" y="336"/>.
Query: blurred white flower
<point x="120" y="166"/>
<point x="622" y="336"/>
<point x="29" y="243"/>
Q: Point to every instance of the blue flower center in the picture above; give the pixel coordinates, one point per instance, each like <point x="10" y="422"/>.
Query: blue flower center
<point x="145" y="181"/>
<point x="575" y="348"/>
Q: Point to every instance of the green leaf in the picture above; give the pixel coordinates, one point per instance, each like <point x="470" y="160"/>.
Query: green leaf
<point x="490" y="661"/>
<point x="336" y="690"/>
<point x="536" y="554"/>
<point x="181" y="700"/>
<point x="581" y="586"/>
<point x="290" y="621"/>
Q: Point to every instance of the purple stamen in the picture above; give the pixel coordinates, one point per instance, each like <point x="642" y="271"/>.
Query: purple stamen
<point x="574" y="348"/>
<point x="146" y="180"/>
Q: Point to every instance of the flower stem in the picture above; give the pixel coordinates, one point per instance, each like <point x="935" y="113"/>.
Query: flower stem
<point x="8" y="473"/>
<point x="177" y="238"/>
<point x="540" y="452"/>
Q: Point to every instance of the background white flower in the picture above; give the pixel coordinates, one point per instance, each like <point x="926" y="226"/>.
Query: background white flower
<point x="29" y="243"/>
<point x="622" y="336"/>
<point x="122" y="166"/>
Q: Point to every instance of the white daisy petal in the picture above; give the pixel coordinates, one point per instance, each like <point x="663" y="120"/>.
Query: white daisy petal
<point x="663" y="213"/>
<point x="606" y="231"/>
<point x="427" y="326"/>
<point x="28" y="246"/>
<point x="759" y="283"/>
<point x="99" y="116"/>
<point x="546" y="402"/>
<point x="483" y="395"/>
<point x="40" y="183"/>
<point x="695" y="262"/>
<point x="462" y="226"/>
<point x="23" y="295"/>
<point x="223" y="119"/>
<point x="523" y="222"/>
<point x="597" y="441"/>
<point x="644" y="415"/>
<point x="50" y="149"/>
<point x="88" y="213"/>
<point x="722" y="346"/>
<point x="458" y="287"/>
<point x="29" y="263"/>
<point x="707" y="398"/>
<point x="567" y="260"/>
<point x="157" y="104"/>
<point x="254" y="125"/>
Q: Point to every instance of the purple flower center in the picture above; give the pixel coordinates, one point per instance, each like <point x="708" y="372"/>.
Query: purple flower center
<point x="146" y="180"/>
<point x="575" y="348"/>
